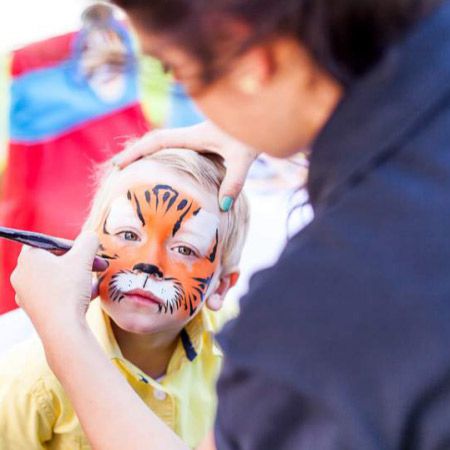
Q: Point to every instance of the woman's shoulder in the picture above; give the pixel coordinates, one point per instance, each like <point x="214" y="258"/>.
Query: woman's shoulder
<point x="292" y="308"/>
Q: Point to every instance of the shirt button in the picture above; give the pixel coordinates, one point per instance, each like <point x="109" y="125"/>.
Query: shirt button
<point x="159" y="394"/>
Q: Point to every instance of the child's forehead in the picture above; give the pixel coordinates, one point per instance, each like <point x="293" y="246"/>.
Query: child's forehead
<point x="151" y="175"/>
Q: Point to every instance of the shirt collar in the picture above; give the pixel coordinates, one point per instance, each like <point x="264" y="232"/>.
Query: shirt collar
<point x="197" y="333"/>
<point x="379" y="110"/>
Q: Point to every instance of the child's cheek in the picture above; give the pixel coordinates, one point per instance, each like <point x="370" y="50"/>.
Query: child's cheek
<point x="203" y="268"/>
<point x="114" y="268"/>
<point x="104" y="281"/>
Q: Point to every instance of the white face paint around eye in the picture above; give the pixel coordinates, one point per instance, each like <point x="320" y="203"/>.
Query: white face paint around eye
<point x="122" y="215"/>
<point x="200" y="231"/>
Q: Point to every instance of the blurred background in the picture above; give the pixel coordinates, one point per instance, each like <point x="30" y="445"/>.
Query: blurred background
<point x="23" y="21"/>
<point x="74" y="89"/>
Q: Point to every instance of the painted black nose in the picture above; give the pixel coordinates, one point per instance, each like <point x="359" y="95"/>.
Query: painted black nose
<point x="149" y="269"/>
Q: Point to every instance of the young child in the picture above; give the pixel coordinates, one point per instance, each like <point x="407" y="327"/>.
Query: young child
<point x="173" y="256"/>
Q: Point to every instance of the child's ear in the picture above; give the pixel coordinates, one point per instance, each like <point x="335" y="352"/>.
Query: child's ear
<point x="226" y="282"/>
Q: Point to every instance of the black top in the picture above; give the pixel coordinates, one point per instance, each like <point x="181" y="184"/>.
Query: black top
<point x="345" y="342"/>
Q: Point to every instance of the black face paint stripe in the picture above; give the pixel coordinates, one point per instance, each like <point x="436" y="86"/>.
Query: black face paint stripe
<point x="212" y="256"/>
<point x="171" y="192"/>
<point x="171" y="202"/>
<point x="147" y="196"/>
<point x="129" y="195"/>
<point x="177" y="225"/>
<point x="201" y="293"/>
<point x="203" y="280"/>
<point x="191" y="308"/>
<point x="104" y="255"/>
<point x="105" y="231"/>
<point x="179" y="291"/>
<point x="114" y="294"/>
<point x="180" y="296"/>
<point x="196" y="211"/>
<point x="139" y="211"/>
<point x="149" y="269"/>
<point x="155" y="191"/>
<point x="182" y="204"/>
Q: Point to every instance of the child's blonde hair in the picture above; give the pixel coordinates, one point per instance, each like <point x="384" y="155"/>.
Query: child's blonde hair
<point x="208" y="171"/>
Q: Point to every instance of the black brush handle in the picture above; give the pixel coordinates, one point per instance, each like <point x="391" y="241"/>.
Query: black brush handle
<point x="49" y="243"/>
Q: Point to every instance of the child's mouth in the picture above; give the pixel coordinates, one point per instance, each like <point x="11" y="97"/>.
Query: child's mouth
<point x="143" y="296"/>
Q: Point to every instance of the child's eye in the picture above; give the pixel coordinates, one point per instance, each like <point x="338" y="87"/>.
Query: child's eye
<point x="185" y="251"/>
<point x="128" y="235"/>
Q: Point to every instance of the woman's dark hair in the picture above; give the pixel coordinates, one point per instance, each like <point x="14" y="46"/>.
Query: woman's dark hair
<point x="346" y="37"/>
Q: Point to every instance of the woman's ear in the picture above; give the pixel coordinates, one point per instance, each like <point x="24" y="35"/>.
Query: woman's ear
<point x="252" y="71"/>
<point x="215" y="301"/>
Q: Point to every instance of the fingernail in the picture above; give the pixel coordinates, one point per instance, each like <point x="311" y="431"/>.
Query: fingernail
<point x="227" y="203"/>
<point x="99" y="264"/>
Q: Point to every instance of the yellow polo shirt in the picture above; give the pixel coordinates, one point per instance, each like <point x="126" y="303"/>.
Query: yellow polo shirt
<point x="35" y="413"/>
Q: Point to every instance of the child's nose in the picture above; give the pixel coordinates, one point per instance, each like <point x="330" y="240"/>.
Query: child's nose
<point x="149" y="269"/>
<point x="154" y="255"/>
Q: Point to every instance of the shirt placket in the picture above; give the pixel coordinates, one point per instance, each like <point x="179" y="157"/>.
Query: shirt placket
<point x="153" y="393"/>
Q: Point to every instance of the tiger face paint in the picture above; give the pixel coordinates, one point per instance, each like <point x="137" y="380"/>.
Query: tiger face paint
<point x="163" y="250"/>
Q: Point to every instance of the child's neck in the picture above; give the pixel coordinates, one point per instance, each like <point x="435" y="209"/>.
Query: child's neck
<point x="151" y="353"/>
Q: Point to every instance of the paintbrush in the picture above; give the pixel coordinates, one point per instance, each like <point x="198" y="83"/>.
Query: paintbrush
<point x="52" y="244"/>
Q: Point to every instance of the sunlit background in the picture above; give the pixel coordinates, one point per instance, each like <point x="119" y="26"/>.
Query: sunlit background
<point x="25" y="21"/>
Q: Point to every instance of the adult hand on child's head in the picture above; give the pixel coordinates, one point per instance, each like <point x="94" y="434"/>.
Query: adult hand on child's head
<point x="55" y="291"/>
<point x="204" y="137"/>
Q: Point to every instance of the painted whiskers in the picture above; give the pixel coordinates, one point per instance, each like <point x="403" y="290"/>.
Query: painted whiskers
<point x="168" y="292"/>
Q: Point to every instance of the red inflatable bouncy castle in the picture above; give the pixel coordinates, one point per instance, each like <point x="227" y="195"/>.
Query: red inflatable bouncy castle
<point x="60" y="128"/>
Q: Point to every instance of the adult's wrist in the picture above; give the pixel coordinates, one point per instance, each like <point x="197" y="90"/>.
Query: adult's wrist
<point x="59" y="340"/>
